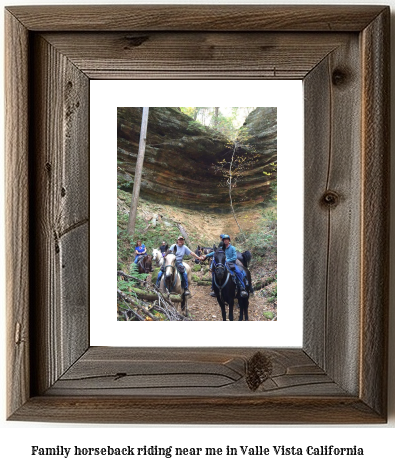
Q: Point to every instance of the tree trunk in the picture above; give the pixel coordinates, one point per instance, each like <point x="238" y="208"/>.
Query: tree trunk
<point x="141" y="294"/>
<point x="230" y="190"/>
<point x="184" y="234"/>
<point x="216" y="113"/>
<point x="137" y="173"/>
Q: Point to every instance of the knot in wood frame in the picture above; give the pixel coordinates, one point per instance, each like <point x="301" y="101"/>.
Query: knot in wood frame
<point x="340" y="77"/>
<point x="330" y="199"/>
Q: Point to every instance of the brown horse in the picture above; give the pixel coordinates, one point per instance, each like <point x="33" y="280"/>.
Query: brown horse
<point x="145" y="264"/>
<point x="202" y="250"/>
<point x="171" y="280"/>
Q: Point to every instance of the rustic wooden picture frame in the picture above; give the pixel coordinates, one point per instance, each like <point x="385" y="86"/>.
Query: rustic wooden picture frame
<point x="340" y="373"/>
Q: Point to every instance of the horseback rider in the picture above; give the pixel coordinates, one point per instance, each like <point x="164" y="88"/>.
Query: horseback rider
<point x="163" y="248"/>
<point x="221" y="243"/>
<point x="182" y="250"/>
<point x="140" y="250"/>
<point x="236" y="273"/>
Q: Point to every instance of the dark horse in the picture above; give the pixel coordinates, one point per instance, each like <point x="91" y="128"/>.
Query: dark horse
<point x="145" y="264"/>
<point x="244" y="258"/>
<point x="202" y="250"/>
<point x="225" y="288"/>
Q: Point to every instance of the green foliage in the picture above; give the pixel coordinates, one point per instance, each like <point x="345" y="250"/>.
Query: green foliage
<point x="125" y="183"/>
<point x="127" y="288"/>
<point x="125" y="285"/>
<point x="227" y="121"/>
<point x="134" y="271"/>
<point x="264" y="236"/>
<point x="269" y="315"/>
<point x="195" y="127"/>
<point x="273" y="297"/>
<point x="124" y="246"/>
<point x="227" y="125"/>
<point x="151" y="237"/>
<point x="270" y="290"/>
<point x="206" y="269"/>
<point x="190" y="111"/>
<point x="155" y="273"/>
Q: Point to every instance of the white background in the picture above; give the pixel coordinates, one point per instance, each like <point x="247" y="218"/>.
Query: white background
<point x="16" y="438"/>
<point x="106" y="96"/>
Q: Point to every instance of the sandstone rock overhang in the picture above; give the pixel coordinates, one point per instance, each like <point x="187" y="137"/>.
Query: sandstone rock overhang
<point x="180" y="156"/>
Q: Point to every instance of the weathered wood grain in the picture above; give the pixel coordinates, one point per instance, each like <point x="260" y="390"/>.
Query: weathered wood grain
<point x="167" y="384"/>
<point x="192" y="372"/>
<point x="198" y="410"/>
<point x="60" y="185"/>
<point x="344" y="254"/>
<point x="332" y="207"/>
<point x="196" y="55"/>
<point x="196" y="17"/>
<point x="339" y="376"/>
<point x="17" y="192"/>
<point x="375" y="211"/>
<point x="317" y="113"/>
<point x="74" y="282"/>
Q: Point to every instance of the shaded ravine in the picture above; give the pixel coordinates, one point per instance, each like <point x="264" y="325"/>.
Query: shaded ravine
<point x="179" y="157"/>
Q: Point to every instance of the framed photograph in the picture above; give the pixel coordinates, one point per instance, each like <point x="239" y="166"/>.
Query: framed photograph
<point x="339" y="374"/>
<point x="182" y="189"/>
<point x="207" y="172"/>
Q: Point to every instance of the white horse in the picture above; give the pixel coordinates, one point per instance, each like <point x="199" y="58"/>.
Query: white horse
<point x="157" y="257"/>
<point x="171" y="279"/>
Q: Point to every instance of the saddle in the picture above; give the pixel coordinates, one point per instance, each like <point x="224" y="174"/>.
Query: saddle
<point x="141" y="260"/>
<point x="181" y="276"/>
<point x="245" y="272"/>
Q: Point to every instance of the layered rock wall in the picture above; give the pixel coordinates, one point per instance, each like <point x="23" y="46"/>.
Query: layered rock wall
<point x="180" y="153"/>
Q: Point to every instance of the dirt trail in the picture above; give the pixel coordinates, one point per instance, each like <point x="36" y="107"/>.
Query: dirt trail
<point x="206" y="228"/>
<point x="204" y="307"/>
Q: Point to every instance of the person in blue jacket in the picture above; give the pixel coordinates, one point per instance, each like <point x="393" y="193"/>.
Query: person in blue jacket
<point x="139" y="250"/>
<point x="231" y="257"/>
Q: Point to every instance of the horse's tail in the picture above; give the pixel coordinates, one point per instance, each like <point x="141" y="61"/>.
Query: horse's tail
<point x="246" y="258"/>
